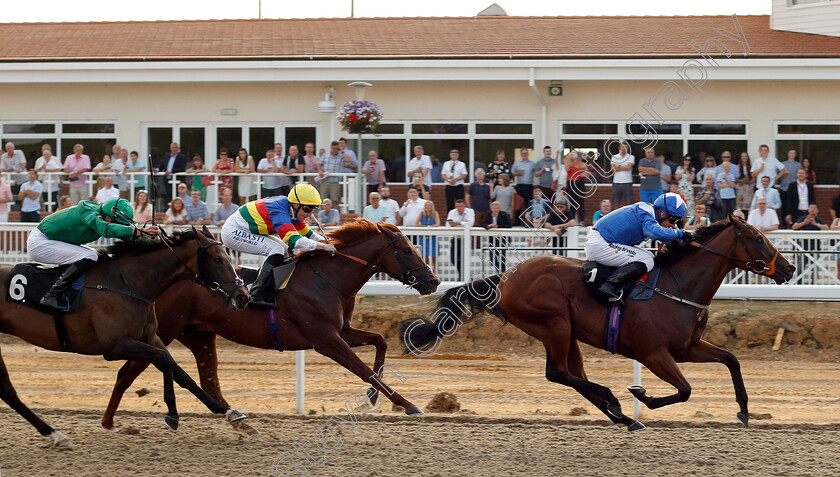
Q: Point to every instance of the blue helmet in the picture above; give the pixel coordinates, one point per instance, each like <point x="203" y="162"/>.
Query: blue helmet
<point x="671" y="204"/>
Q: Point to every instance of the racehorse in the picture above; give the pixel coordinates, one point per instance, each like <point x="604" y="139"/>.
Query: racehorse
<point x="313" y="311"/>
<point x="116" y="318"/>
<point x="545" y="297"/>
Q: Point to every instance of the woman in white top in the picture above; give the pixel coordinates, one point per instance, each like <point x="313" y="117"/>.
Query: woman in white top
<point x="143" y="211"/>
<point x="245" y="164"/>
<point x="52" y="182"/>
<point x="176" y="214"/>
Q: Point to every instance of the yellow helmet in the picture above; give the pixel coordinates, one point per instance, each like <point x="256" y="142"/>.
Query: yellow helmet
<point x="305" y="194"/>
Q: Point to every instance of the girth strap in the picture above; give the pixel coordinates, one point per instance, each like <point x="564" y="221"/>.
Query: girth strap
<point x="274" y="329"/>
<point x="61" y="331"/>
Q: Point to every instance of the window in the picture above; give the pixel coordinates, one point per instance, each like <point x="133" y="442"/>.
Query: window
<point x="22" y="128"/>
<point x="97" y="137"/>
<point x="818" y="141"/>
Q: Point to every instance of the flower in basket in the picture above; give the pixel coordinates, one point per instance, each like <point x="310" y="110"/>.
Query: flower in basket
<point x="359" y="116"/>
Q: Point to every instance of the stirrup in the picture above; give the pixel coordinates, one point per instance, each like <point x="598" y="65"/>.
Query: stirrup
<point x="619" y="298"/>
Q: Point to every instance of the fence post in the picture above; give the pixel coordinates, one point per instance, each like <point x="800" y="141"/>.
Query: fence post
<point x="466" y="255"/>
<point x="573" y="241"/>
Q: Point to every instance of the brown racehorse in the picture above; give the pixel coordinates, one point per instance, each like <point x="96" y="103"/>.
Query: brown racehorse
<point x="116" y="317"/>
<point x="545" y="297"/>
<point x="314" y="311"/>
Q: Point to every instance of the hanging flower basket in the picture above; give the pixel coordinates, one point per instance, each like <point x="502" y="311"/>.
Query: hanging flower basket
<point x="359" y="116"/>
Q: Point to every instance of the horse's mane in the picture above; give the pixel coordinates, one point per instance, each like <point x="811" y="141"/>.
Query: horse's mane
<point x="124" y="248"/>
<point x="357" y="230"/>
<point x="676" y="250"/>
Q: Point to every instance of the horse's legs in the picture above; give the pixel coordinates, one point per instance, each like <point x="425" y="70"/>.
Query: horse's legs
<point x="336" y="349"/>
<point x="575" y="360"/>
<point x="663" y="365"/>
<point x="355" y="337"/>
<point x="10" y="397"/>
<point x="705" y="352"/>
<point x="202" y="344"/>
<point x="125" y="377"/>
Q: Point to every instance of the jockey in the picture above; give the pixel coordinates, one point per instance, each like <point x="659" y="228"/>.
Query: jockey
<point x="59" y="237"/>
<point x="612" y="241"/>
<point x="249" y="230"/>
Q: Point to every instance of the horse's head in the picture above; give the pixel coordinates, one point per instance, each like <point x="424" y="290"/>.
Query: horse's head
<point x="753" y="252"/>
<point x="402" y="262"/>
<point x="216" y="271"/>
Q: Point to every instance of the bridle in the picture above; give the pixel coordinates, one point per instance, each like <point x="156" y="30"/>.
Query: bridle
<point x="754" y="265"/>
<point x="204" y="276"/>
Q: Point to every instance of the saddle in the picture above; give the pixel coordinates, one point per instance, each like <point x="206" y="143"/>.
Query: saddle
<point x="595" y="274"/>
<point x="27" y="283"/>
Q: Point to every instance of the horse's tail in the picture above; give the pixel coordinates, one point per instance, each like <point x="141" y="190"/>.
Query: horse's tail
<point x="457" y="306"/>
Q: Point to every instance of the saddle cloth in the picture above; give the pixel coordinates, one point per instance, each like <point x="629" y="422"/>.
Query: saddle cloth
<point x="282" y="274"/>
<point x="27" y="283"/>
<point x="594" y="275"/>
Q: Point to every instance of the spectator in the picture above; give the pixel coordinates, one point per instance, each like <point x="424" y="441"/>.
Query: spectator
<point x="575" y="185"/>
<point x="108" y="191"/>
<point x="270" y="164"/>
<point x="559" y="220"/>
<point x="292" y="163"/>
<point x="244" y="164"/>
<point x="523" y="171"/>
<point x="311" y="163"/>
<point x="745" y="184"/>
<point x="650" y="185"/>
<point x="544" y="173"/>
<point x="425" y="193"/>
<point x="740" y="214"/>
<point x="102" y="169"/>
<point x="699" y="218"/>
<point x="76" y="165"/>
<point x="428" y="244"/>
<point x="332" y="163"/>
<point x="811" y="221"/>
<point x="709" y="168"/>
<point x="766" y="166"/>
<point x="665" y="173"/>
<point x="538" y="208"/>
<point x="143" y="211"/>
<point x="13" y="160"/>
<point x="135" y="165"/>
<point x="684" y="175"/>
<point x="606" y="208"/>
<point x="835" y="225"/>
<point x="421" y="164"/>
<point x="462" y="217"/>
<point x="478" y="196"/>
<point x="376" y="212"/>
<point x="353" y="164"/>
<point x="621" y="165"/>
<point x="122" y="179"/>
<point x="51" y="165"/>
<point x="791" y="165"/>
<point x="497" y="219"/>
<point x="390" y="204"/>
<point x="116" y="151"/>
<point x="835" y="206"/>
<point x="726" y="158"/>
<point x="674" y="186"/>
<point x="769" y="193"/>
<point x="412" y="207"/>
<point x="762" y="218"/>
<point x="498" y="167"/>
<point x="810" y="173"/>
<point x="477" y="164"/>
<point x="726" y="186"/>
<point x="224" y="165"/>
<point x="225" y="209"/>
<point x="5" y="198"/>
<point x="437" y="170"/>
<point x="176" y="214"/>
<point x="503" y="193"/>
<point x="321" y="152"/>
<point x="710" y="197"/>
<point x="30" y="197"/>
<point x="374" y="169"/>
<point x="198" y="182"/>
<point x="182" y="192"/>
<point x="454" y="172"/>
<point x="197" y="213"/>
<point x="328" y="216"/>
<point x="64" y="201"/>
<point x="173" y="162"/>
<point x="799" y="195"/>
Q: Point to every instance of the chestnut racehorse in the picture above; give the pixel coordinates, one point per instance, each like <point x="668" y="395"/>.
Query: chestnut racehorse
<point x="314" y="311"/>
<point x="116" y="317"/>
<point x="545" y="297"/>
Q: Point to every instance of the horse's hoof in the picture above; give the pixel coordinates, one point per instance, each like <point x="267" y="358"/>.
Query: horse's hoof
<point x="744" y="418"/>
<point x="60" y="441"/>
<point x="112" y="429"/>
<point x="232" y="415"/>
<point x="171" y="422"/>
<point x="372" y="395"/>
<point x="413" y="411"/>
<point x="614" y="411"/>
<point x="243" y="427"/>
<point x="636" y="426"/>
<point x="637" y="390"/>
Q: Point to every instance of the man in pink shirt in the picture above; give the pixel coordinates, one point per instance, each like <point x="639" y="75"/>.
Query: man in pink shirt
<point x="5" y="198"/>
<point x="75" y="166"/>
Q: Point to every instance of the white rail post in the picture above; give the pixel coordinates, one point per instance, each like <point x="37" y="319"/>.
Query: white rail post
<point x="300" y="380"/>
<point x="637" y="381"/>
<point x="466" y="256"/>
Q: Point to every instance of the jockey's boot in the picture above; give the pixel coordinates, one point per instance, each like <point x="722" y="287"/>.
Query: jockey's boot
<point x="262" y="291"/>
<point x="55" y="297"/>
<point x="613" y="288"/>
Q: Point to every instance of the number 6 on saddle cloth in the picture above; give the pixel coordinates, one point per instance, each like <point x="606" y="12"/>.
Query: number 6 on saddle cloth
<point x="27" y="283"/>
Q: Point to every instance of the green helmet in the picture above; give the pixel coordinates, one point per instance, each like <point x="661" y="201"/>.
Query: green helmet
<point x="119" y="210"/>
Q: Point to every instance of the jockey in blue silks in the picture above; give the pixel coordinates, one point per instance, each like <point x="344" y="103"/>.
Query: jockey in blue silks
<point x="612" y="241"/>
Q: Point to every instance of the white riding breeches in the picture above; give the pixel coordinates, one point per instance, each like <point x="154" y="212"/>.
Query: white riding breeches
<point x="614" y="254"/>
<point x="43" y="250"/>
<point x="236" y="235"/>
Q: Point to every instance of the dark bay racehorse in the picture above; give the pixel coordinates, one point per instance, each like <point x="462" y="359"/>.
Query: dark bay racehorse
<point x="314" y="311"/>
<point x="545" y="297"/>
<point x="118" y="321"/>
